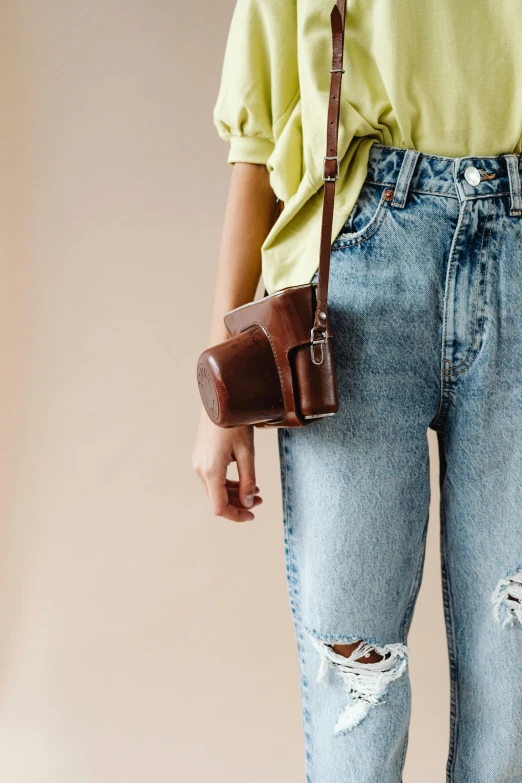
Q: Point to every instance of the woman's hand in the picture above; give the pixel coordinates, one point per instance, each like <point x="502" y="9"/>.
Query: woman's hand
<point x="215" y="448"/>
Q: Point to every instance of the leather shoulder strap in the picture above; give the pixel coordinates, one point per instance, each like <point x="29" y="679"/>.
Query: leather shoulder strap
<point x="330" y="163"/>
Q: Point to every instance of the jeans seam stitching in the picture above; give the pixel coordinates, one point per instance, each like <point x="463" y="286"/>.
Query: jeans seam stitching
<point x="413" y="189"/>
<point x="471" y="197"/>
<point x="443" y="157"/>
<point x="295" y="596"/>
<point x="452" y="370"/>
<point x="408" y="614"/>
<point x="380" y="215"/>
<point x="449" y="622"/>
<point x="416" y="583"/>
<point x="409" y="171"/>
<point x="444" y="386"/>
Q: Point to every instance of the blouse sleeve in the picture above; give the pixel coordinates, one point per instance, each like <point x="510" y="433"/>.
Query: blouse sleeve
<point x="259" y="78"/>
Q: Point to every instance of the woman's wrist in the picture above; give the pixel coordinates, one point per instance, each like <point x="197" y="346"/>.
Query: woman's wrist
<point x="249" y="216"/>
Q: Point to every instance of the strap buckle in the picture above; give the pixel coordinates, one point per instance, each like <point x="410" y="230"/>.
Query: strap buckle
<point x="337" y="160"/>
<point x="321" y="341"/>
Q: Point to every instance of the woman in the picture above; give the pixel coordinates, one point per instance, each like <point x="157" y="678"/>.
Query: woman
<point x="425" y="305"/>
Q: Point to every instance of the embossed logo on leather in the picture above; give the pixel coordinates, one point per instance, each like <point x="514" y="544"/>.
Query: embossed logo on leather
<point x="207" y="390"/>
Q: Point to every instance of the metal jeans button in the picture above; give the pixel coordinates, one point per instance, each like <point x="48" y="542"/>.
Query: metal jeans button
<point x="472" y="175"/>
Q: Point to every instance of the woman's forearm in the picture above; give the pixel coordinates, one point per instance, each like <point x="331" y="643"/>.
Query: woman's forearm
<point x="249" y="215"/>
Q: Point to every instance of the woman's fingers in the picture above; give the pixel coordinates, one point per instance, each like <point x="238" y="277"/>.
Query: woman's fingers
<point x="232" y="483"/>
<point x="215" y="483"/>
<point x="214" y="451"/>
<point x="235" y="501"/>
<point x="237" y="514"/>
<point x="247" y="475"/>
<point x="225" y="500"/>
<point x="233" y="491"/>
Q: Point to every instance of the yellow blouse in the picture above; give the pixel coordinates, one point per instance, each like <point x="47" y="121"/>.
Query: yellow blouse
<point x="440" y="76"/>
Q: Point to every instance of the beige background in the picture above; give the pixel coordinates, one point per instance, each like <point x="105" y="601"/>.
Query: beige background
<point x="141" y="638"/>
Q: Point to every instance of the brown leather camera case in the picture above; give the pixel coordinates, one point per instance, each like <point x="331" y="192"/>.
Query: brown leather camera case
<point x="265" y="373"/>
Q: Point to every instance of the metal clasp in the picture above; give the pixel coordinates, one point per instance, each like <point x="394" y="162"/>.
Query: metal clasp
<point x="337" y="164"/>
<point x="320" y="342"/>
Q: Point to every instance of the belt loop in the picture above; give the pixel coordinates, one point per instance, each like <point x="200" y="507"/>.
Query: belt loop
<point x="402" y="185"/>
<point x="515" y="195"/>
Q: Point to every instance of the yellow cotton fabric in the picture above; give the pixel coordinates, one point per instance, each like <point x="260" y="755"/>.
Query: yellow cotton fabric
<point x="440" y="76"/>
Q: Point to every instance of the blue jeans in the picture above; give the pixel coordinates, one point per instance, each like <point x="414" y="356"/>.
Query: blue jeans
<point x="426" y="315"/>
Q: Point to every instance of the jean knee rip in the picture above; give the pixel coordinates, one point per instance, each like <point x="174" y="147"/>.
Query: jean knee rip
<point x="507" y="599"/>
<point x="365" y="683"/>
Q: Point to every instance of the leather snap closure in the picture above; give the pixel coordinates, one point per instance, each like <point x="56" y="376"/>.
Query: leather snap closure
<point x="388" y="194"/>
<point x="472" y="175"/>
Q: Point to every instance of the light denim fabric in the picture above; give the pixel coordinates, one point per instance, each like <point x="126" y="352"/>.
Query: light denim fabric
<point x="426" y="315"/>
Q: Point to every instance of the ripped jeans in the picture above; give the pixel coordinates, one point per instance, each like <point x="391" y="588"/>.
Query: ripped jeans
<point x="426" y="315"/>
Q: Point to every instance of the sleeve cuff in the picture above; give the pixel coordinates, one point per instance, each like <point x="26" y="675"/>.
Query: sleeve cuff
<point x="249" y="149"/>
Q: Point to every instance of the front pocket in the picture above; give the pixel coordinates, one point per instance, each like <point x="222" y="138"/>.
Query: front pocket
<point x="366" y="216"/>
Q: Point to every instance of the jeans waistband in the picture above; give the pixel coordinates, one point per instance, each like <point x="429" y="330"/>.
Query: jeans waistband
<point x="469" y="177"/>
